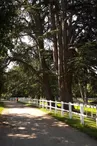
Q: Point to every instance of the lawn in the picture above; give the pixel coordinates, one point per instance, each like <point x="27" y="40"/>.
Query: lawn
<point x="77" y="107"/>
<point x="86" y="109"/>
<point x="89" y="127"/>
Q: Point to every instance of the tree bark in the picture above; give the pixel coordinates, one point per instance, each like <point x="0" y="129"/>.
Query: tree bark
<point x="53" y="27"/>
<point x="64" y="75"/>
<point x="45" y="73"/>
<point x="81" y="91"/>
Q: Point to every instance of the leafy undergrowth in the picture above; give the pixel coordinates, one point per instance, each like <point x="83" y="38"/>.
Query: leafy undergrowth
<point x="1" y="107"/>
<point x="89" y="127"/>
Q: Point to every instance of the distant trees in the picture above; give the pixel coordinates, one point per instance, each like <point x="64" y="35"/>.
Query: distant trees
<point x="7" y="20"/>
<point x="21" y="83"/>
<point x="85" y="69"/>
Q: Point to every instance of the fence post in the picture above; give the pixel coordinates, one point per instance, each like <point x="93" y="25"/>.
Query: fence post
<point x="37" y="103"/>
<point x="70" y="110"/>
<point x="40" y="103"/>
<point x="29" y="101"/>
<point x="55" y="107"/>
<point x="33" y="101"/>
<point x="46" y="104"/>
<point x="62" y="108"/>
<point x="81" y="113"/>
<point x="50" y="105"/>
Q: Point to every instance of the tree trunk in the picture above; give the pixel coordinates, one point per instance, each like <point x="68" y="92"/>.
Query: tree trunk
<point x="81" y="91"/>
<point x="64" y="75"/>
<point x="60" y="61"/>
<point x="85" y="95"/>
<point x="47" y="88"/>
<point x="53" y="27"/>
<point x="45" y="73"/>
<point x="46" y="79"/>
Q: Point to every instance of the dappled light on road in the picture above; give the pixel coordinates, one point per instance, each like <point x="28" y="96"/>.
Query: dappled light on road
<point x="59" y="124"/>
<point x="22" y="136"/>
<point x="32" y="127"/>
<point x="21" y="128"/>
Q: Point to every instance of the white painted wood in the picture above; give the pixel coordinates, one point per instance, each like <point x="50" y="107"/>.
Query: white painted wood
<point x="70" y="110"/>
<point x="50" y="105"/>
<point x="81" y="113"/>
<point x="62" y="108"/>
<point x="44" y="104"/>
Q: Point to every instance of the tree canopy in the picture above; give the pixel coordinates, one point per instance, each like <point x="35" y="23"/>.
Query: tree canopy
<point x="54" y="41"/>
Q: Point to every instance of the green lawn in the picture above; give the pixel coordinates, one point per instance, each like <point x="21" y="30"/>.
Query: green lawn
<point x="86" y="109"/>
<point x="1" y="107"/>
<point x="89" y="127"/>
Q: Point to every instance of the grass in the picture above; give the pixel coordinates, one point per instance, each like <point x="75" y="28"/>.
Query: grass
<point x="89" y="127"/>
<point x="86" y="109"/>
<point x="1" y="107"/>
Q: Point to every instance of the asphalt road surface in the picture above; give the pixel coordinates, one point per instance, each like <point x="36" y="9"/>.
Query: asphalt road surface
<point x="25" y="126"/>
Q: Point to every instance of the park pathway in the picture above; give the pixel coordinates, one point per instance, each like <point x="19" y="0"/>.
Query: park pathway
<point x="25" y="126"/>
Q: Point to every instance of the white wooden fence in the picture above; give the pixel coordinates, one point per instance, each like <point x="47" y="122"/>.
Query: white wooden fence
<point x="53" y="105"/>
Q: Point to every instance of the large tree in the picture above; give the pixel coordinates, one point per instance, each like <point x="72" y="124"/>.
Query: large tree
<point x="68" y="25"/>
<point x="32" y="25"/>
<point x="74" y="24"/>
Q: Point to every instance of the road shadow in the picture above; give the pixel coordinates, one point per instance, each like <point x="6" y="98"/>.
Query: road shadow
<point x="14" y="104"/>
<point x="27" y="130"/>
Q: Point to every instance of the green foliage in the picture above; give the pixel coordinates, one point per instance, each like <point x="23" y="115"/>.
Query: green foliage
<point x="32" y="19"/>
<point x="7" y="18"/>
<point x="21" y="83"/>
<point x="85" y="64"/>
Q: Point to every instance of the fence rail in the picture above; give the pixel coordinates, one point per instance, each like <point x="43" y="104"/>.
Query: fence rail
<point x="81" y="110"/>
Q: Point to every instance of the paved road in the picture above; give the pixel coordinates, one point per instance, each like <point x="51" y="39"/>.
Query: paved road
<point x="25" y="126"/>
